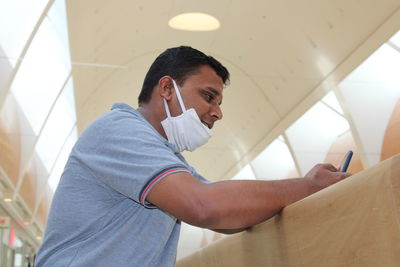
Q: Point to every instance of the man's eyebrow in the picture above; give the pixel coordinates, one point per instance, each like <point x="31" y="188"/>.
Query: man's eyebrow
<point x="215" y="92"/>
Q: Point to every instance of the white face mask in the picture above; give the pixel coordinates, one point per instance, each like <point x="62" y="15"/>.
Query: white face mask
<point x="185" y="131"/>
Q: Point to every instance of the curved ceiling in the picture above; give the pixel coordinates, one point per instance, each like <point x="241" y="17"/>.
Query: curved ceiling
<point x="283" y="57"/>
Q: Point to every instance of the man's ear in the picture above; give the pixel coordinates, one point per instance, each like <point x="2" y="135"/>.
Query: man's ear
<point x="166" y="88"/>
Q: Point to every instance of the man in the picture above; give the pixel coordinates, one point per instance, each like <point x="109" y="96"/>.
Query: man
<point x="126" y="187"/>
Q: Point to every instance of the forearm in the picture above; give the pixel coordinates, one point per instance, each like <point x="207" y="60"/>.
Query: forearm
<point x="241" y="204"/>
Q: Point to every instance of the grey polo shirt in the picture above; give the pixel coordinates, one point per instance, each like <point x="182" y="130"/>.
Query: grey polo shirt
<point x="99" y="215"/>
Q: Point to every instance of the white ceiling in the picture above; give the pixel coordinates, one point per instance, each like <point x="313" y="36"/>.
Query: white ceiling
<point x="283" y="57"/>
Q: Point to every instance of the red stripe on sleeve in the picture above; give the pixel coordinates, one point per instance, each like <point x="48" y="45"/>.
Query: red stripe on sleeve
<point x="159" y="177"/>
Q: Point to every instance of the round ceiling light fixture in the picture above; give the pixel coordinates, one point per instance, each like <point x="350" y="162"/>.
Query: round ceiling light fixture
<point x="194" y="22"/>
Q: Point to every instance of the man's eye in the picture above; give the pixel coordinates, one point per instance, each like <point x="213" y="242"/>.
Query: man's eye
<point x="208" y="97"/>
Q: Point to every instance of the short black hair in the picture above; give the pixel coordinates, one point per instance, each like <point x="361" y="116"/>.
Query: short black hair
<point x="179" y="63"/>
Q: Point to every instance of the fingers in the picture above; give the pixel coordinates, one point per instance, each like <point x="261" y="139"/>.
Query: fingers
<point x="346" y="174"/>
<point x="326" y="169"/>
<point x="325" y="166"/>
<point x="340" y="175"/>
<point x="332" y="168"/>
<point x="329" y="167"/>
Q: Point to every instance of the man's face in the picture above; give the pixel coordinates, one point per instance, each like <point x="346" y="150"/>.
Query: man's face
<point x="203" y="92"/>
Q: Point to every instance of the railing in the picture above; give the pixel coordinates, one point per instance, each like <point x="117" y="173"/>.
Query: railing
<point x="355" y="222"/>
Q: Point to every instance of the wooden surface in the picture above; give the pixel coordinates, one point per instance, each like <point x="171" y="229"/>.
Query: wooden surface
<point x="353" y="223"/>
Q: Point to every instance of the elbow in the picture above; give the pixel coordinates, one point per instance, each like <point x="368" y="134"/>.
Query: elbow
<point x="203" y="214"/>
<point x="207" y="219"/>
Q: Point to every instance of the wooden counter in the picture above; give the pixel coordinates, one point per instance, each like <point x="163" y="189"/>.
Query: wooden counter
<point x="355" y="222"/>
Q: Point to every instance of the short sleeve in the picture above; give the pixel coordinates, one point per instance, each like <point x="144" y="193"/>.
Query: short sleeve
<point x="194" y="172"/>
<point x="126" y="153"/>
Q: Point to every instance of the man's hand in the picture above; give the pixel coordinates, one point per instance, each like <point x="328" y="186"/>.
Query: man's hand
<point x="323" y="175"/>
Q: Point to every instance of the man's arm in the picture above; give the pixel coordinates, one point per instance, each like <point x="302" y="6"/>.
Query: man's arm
<point x="235" y="204"/>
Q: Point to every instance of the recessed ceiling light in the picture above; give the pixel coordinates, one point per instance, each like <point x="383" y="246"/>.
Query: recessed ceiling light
<point x="194" y="22"/>
<point x="7" y="199"/>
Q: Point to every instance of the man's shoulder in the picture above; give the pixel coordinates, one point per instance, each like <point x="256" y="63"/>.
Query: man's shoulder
<point x="124" y="110"/>
<point x="121" y="117"/>
<point x="123" y="125"/>
<point x="124" y="107"/>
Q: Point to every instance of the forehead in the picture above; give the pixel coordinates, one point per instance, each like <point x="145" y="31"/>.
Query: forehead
<point x="205" y="77"/>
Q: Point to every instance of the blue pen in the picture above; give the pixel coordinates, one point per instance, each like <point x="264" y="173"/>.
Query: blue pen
<point x="346" y="161"/>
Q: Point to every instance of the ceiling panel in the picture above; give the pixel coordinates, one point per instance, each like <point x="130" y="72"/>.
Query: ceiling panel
<point x="279" y="52"/>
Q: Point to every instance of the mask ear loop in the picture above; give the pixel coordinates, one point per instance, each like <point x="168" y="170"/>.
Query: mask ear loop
<point x="167" y="108"/>
<point x="179" y="96"/>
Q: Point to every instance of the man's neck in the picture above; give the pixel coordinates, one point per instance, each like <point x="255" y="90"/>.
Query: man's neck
<point x="152" y="118"/>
